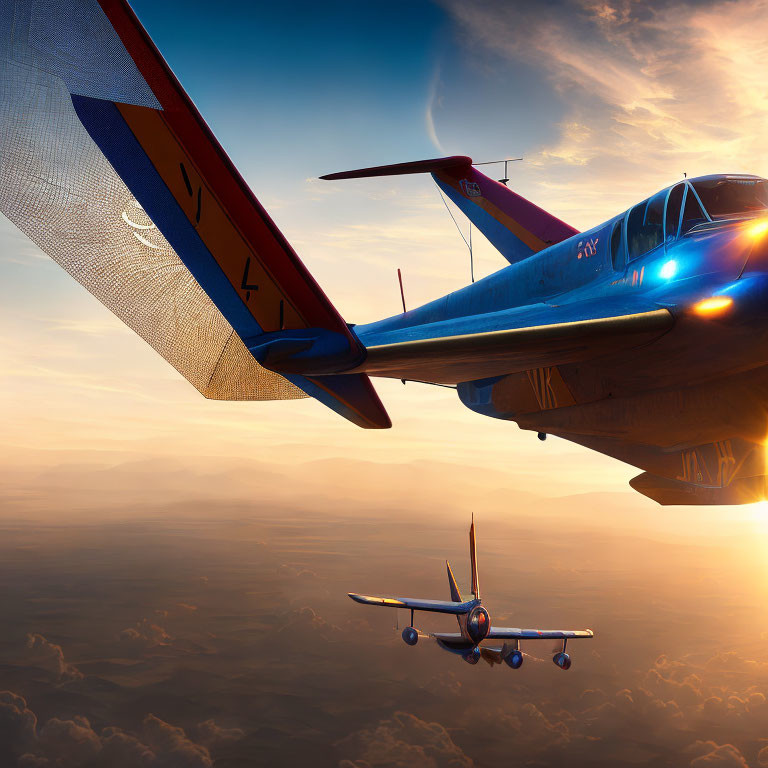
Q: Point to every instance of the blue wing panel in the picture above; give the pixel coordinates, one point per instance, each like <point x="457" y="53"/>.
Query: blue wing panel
<point x="506" y="633"/>
<point x="416" y="604"/>
<point x="115" y="139"/>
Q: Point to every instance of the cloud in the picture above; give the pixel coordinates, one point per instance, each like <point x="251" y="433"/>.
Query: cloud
<point x="74" y="743"/>
<point x="211" y="735"/>
<point x="402" y="742"/>
<point x="18" y="724"/>
<point x="305" y="621"/>
<point x="69" y="742"/>
<point x="145" y="634"/>
<point x="711" y="755"/>
<point x="50" y="657"/>
<point x="172" y="743"/>
<point x="649" y="90"/>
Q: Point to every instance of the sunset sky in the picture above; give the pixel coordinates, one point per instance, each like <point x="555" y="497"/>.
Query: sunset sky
<point x="607" y="102"/>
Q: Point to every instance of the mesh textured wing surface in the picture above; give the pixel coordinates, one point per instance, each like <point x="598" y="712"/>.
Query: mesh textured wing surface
<point x="58" y="188"/>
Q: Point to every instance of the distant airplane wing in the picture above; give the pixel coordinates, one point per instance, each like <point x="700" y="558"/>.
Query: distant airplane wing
<point x="498" y="343"/>
<point x="507" y="633"/>
<point x="435" y="606"/>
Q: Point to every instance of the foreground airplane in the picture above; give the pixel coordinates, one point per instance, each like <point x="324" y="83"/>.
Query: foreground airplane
<point x="644" y="338"/>
<point x="475" y="624"/>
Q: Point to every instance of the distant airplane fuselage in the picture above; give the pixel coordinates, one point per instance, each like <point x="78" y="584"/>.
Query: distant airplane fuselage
<point x="475" y="624"/>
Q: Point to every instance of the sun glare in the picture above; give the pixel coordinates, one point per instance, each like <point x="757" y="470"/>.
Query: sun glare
<point x="758" y="229"/>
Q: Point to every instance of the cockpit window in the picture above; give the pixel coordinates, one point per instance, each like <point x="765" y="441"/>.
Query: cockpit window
<point x="692" y="213"/>
<point x="616" y="255"/>
<point x="674" y="203"/>
<point x="729" y="197"/>
<point x="645" y="226"/>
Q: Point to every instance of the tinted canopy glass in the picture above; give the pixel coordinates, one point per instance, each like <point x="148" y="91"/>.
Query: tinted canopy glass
<point x="673" y="210"/>
<point x="729" y="197"/>
<point x="645" y="226"/>
<point x="692" y="214"/>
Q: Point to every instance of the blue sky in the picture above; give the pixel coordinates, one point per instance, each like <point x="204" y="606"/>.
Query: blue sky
<point x="294" y="87"/>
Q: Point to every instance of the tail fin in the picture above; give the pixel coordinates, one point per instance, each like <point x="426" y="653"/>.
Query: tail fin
<point x="216" y="230"/>
<point x="514" y="225"/>
<point x="473" y="560"/>
<point x="455" y="594"/>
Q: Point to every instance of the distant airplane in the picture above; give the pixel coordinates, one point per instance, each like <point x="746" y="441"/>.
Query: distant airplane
<point x="644" y="338"/>
<point x="475" y="624"/>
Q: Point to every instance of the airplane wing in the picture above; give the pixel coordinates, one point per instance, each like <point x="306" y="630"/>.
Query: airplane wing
<point x="110" y="169"/>
<point x="414" y="604"/>
<point x="518" y="339"/>
<point x="508" y="633"/>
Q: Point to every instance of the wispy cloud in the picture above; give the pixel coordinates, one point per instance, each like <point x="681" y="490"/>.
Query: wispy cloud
<point x="650" y="90"/>
<point x="433" y="99"/>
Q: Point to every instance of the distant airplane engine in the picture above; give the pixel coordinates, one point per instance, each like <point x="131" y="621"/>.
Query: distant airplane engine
<point x="410" y="636"/>
<point x="514" y="659"/>
<point x="473" y="656"/>
<point x="478" y="623"/>
<point x="562" y="660"/>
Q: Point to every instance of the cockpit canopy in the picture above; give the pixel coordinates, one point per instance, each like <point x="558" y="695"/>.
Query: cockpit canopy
<point x="673" y="212"/>
<point x="726" y="197"/>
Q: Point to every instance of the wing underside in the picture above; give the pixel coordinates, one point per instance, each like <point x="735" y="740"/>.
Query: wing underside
<point x="109" y="168"/>
<point x="60" y="190"/>
<point x="480" y="347"/>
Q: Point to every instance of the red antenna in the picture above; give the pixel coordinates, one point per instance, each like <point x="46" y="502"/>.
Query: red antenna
<point x="402" y="294"/>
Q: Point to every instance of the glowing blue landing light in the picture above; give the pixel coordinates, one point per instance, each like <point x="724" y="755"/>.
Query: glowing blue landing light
<point x="668" y="270"/>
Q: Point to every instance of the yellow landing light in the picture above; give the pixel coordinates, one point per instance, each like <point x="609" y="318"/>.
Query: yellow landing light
<point x="758" y="229"/>
<point x="713" y="305"/>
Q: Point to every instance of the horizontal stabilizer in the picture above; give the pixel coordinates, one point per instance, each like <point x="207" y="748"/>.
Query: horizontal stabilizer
<point x="515" y="226"/>
<point x="400" y="169"/>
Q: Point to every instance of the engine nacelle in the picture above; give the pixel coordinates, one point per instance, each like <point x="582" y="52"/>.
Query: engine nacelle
<point x="410" y="636"/>
<point x="514" y="659"/>
<point x="473" y="656"/>
<point x="562" y="660"/>
<point x="478" y="623"/>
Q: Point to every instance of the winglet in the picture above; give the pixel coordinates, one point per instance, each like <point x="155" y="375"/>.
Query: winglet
<point x="473" y="559"/>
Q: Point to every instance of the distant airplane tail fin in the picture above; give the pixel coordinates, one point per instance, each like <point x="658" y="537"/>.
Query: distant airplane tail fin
<point x="514" y="225"/>
<point x="473" y="560"/>
<point x="455" y="594"/>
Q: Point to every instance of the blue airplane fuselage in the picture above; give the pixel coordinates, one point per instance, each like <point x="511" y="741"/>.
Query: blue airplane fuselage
<point x="687" y="405"/>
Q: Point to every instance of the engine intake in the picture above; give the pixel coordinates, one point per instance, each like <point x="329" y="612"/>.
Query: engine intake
<point x="514" y="659"/>
<point x="562" y="660"/>
<point x="410" y="636"/>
